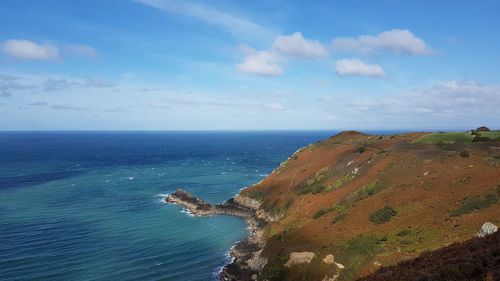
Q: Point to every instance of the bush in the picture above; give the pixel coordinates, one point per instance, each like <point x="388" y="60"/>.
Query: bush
<point x="314" y="189"/>
<point x="343" y="180"/>
<point x="362" y="148"/>
<point x="470" y="205"/>
<point x="464" y="153"/>
<point x="382" y="215"/>
<point x="275" y="269"/>
<point x="404" y="232"/>
<point x="338" y="218"/>
<point x="320" y="213"/>
<point x="479" y="138"/>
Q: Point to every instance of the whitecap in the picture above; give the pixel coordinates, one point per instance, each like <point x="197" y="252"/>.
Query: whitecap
<point x="187" y="212"/>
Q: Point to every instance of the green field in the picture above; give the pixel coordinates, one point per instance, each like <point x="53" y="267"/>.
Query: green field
<point x="455" y="137"/>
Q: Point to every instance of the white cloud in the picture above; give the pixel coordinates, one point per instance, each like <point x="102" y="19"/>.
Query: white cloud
<point x="346" y="67"/>
<point x="238" y="26"/>
<point x="400" y="41"/>
<point x="296" y="45"/>
<point x="269" y="62"/>
<point x="82" y="50"/>
<point x="274" y="106"/>
<point x="29" y="50"/>
<point x="260" y="62"/>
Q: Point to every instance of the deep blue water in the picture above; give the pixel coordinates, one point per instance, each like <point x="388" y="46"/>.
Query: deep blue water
<point x="87" y="205"/>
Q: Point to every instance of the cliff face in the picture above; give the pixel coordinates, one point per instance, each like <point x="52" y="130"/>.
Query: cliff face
<point x="344" y="207"/>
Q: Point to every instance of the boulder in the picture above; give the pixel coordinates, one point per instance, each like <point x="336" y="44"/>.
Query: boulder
<point x="329" y="259"/>
<point x="487" y="229"/>
<point x="299" y="257"/>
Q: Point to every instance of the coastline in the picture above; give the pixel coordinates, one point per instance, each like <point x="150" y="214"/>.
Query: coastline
<point x="246" y="261"/>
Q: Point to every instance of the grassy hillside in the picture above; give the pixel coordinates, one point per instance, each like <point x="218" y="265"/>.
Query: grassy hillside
<point x="458" y="137"/>
<point x="373" y="201"/>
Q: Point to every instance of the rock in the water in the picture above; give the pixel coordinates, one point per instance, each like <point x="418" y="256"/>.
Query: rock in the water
<point x="487" y="229"/>
<point x="299" y="257"/>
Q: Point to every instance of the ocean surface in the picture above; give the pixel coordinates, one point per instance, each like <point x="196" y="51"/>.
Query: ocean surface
<point x="88" y="205"/>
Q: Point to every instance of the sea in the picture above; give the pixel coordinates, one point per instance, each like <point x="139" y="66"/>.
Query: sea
<point x="89" y="205"/>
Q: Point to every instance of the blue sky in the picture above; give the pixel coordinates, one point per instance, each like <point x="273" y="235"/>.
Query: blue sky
<point x="248" y="65"/>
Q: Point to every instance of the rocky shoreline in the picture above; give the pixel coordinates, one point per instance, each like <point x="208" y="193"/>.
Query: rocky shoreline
<point x="247" y="262"/>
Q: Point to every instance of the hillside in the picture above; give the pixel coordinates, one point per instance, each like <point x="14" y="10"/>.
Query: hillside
<point x="475" y="259"/>
<point x="348" y="205"/>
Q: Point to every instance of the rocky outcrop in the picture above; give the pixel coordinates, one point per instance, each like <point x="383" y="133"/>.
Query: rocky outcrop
<point x="247" y="260"/>
<point x="488" y="228"/>
<point x="299" y="257"/>
<point x="330" y="259"/>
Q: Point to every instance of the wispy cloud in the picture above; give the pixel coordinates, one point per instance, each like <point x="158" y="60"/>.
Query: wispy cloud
<point x="81" y="50"/>
<point x="355" y="67"/>
<point x="400" y="41"/>
<point x="457" y="102"/>
<point x="23" y="49"/>
<point x="8" y="84"/>
<point x="238" y="26"/>
<point x="274" y="106"/>
<point x="68" y="107"/>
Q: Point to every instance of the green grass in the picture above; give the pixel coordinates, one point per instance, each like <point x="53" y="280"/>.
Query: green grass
<point x="343" y="180"/>
<point x="455" y="137"/>
<point x="434" y="138"/>
<point x="367" y="190"/>
<point x="314" y="189"/>
<point x="383" y="215"/>
<point x="470" y="205"/>
<point x="356" y="253"/>
<point x="314" y="185"/>
<point x="490" y="134"/>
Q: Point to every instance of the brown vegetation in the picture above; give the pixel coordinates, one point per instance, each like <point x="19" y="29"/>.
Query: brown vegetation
<point x="327" y="191"/>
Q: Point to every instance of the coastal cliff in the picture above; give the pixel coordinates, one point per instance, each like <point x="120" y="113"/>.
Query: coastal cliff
<point x="345" y="207"/>
<point x="247" y="262"/>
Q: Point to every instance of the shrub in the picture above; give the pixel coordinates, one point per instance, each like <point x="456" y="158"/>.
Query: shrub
<point x="464" y="153"/>
<point x="343" y="180"/>
<point x="275" y="269"/>
<point x="362" y="148"/>
<point x="320" y="213"/>
<point x="470" y="205"/>
<point x="338" y="218"/>
<point x="314" y="189"/>
<point x="404" y="232"/>
<point x="318" y="188"/>
<point x="372" y="188"/>
<point x="479" y="138"/>
<point x="382" y="215"/>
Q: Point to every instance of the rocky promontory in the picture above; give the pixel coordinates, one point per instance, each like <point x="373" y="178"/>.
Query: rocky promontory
<point x="247" y="262"/>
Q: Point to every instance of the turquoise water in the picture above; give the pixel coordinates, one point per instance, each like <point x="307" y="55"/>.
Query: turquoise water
<point x="88" y="205"/>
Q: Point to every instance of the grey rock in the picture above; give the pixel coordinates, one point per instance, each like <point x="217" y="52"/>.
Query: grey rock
<point x="487" y="229"/>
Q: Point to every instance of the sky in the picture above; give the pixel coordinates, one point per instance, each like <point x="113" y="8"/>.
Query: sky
<point x="249" y="65"/>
